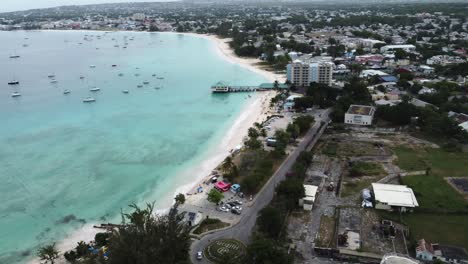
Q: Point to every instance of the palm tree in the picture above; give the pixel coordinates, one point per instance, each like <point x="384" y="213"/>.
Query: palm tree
<point x="48" y="253"/>
<point x="227" y="164"/>
<point x="180" y="199"/>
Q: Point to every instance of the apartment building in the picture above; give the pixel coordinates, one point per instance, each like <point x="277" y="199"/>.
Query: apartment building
<point x="303" y="73"/>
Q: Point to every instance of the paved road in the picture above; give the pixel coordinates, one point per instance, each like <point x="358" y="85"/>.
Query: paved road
<point x="243" y="229"/>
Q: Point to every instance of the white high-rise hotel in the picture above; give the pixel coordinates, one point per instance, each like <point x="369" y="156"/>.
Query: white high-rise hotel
<point x="303" y="73"/>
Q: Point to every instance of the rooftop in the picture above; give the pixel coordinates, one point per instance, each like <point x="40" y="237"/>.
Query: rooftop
<point x="394" y="195"/>
<point x="360" y="110"/>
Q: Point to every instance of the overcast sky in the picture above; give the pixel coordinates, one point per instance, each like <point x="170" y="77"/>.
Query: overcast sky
<point x="14" y="5"/>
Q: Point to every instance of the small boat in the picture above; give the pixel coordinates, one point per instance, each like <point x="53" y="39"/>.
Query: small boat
<point x="139" y="86"/>
<point x="14" y="56"/>
<point x="51" y="76"/>
<point x="114" y="65"/>
<point x="92" y="66"/>
<point x="160" y="78"/>
<point x="95" y="89"/>
<point x="15" y="94"/>
<point x="81" y="77"/>
<point x="25" y="45"/>
<point x="14" y="82"/>
<point x="53" y="81"/>
<point x="89" y="99"/>
<point x="120" y="74"/>
<point x="157" y="88"/>
<point x="125" y="91"/>
<point x="66" y="91"/>
<point x="154" y="75"/>
<point x="137" y="74"/>
<point x="145" y="82"/>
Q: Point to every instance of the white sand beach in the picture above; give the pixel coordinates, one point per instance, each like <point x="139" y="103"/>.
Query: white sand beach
<point x="256" y="109"/>
<point x="228" y="54"/>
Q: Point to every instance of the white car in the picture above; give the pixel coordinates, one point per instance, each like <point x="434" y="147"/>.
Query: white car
<point x="224" y="209"/>
<point x="199" y="255"/>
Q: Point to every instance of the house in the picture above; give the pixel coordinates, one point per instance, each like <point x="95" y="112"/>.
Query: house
<point x="429" y="252"/>
<point x="392" y="48"/>
<point x="289" y="104"/>
<point x="307" y="202"/>
<point x="426" y="90"/>
<point x="419" y="103"/>
<point x="360" y="115"/>
<point x="392" y="196"/>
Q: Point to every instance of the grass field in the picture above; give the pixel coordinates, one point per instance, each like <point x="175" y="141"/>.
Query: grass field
<point x="367" y="168"/>
<point x="444" y="229"/>
<point x="209" y="224"/>
<point x="433" y="192"/>
<point x="435" y="195"/>
<point x="355" y="186"/>
<point x="442" y="163"/>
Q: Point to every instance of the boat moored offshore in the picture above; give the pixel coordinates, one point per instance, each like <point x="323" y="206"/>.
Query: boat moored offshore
<point x="89" y="99"/>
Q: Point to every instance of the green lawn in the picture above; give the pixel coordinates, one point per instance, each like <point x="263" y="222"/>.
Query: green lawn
<point x="448" y="229"/>
<point x="435" y="195"/>
<point x="367" y="168"/>
<point x="433" y="192"/>
<point x="436" y="228"/>
<point x="441" y="162"/>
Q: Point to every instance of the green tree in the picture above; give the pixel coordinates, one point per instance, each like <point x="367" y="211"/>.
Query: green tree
<point x="253" y="133"/>
<point x="282" y="140"/>
<point x="215" y="196"/>
<point x="253" y="143"/>
<point x="48" y="253"/>
<point x="291" y="190"/>
<point x="82" y="249"/>
<point x="145" y="237"/>
<point x="270" y="221"/>
<point x="400" y="54"/>
<point x="293" y="130"/>
<point x="101" y="239"/>
<point x="179" y="199"/>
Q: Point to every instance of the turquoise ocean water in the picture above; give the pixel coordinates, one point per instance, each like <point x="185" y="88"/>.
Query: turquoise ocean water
<point x="64" y="163"/>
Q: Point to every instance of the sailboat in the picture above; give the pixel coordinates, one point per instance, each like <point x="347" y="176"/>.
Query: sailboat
<point x="15" y="94"/>
<point x="13" y="82"/>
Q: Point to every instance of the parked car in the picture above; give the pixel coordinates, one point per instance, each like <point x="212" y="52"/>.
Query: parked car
<point x="214" y="179"/>
<point x="199" y="255"/>
<point x="235" y="211"/>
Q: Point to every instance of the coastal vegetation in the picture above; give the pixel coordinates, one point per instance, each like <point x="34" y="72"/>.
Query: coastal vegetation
<point x="215" y="196"/>
<point x="48" y="253"/>
<point x="209" y="224"/>
<point x="142" y="237"/>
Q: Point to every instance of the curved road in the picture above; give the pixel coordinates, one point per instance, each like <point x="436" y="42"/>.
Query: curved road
<point x="243" y="229"/>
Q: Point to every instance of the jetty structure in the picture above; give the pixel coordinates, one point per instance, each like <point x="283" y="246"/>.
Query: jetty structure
<point x="223" y="87"/>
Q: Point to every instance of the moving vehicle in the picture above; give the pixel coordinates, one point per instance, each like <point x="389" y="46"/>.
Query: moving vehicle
<point x="199" y="255"/>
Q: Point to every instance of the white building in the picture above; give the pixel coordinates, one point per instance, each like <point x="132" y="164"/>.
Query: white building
<point x="289" y="103"/>
<point x="392" y="196"/>
<point x="359" y="115"/>
<point x="392" y="48"/>
<point x="139" y="16"/>
<point x="308" y="201"/>
<point x="302" y="73"/>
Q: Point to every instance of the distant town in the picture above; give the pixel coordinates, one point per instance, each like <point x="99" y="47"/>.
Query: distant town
<point x="363" y="153"/>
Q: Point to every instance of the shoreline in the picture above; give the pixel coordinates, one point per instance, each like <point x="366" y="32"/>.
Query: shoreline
<point x="255" y="109"/>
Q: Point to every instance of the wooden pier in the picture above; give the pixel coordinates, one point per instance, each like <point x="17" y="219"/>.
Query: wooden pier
<point x="222" y="87"/>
